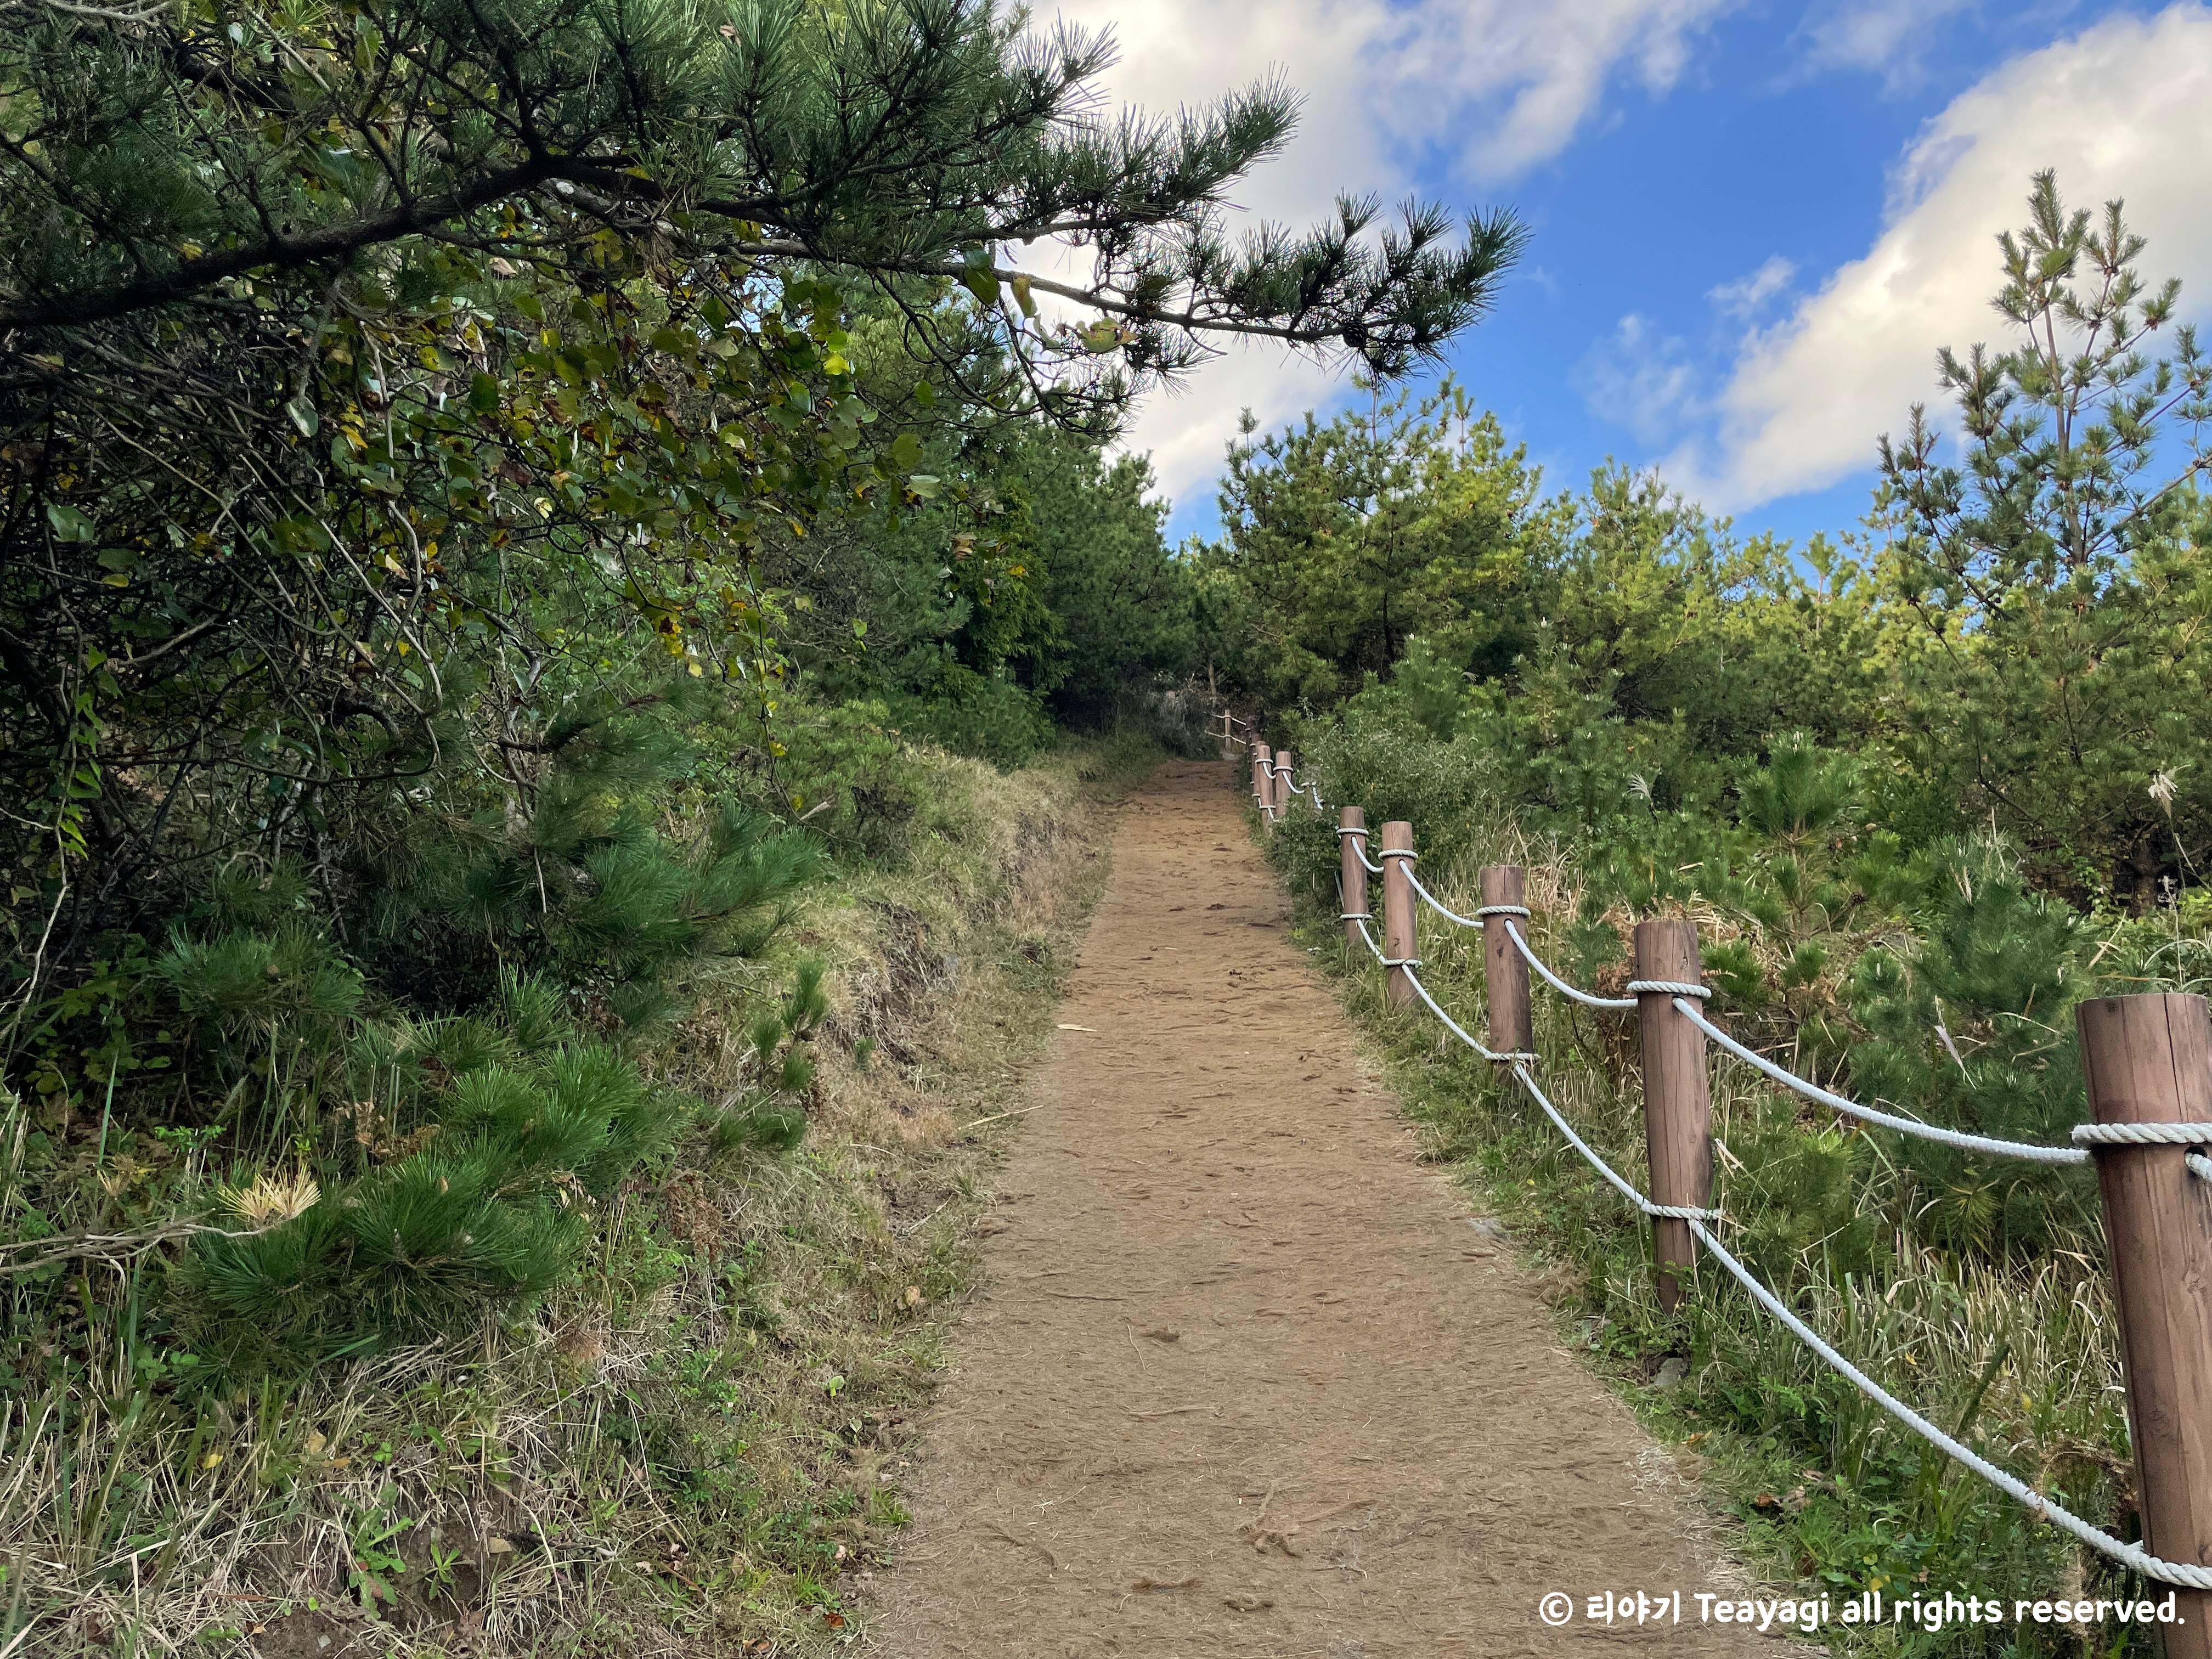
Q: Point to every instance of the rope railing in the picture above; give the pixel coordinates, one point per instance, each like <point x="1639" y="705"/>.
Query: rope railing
<point x="1453" y="1025"/>
<point x="1910" y="1126"/>
<point x="1677" y="1211"/>
<point x="1587" y="998"/>
<point x="1656" y="995"/>
<point x="2044" y="1508"/>
<point x="1438" y="905"/>
<point x="1358" y="851"/>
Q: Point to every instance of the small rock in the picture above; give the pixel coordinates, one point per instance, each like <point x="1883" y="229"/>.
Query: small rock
<point x="1488" y="1225"/>
<point x="1672" y="1373"/>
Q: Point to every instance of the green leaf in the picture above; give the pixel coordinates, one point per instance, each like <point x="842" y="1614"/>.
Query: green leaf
<point x="70" y="524"/>
<point x="905" y="452"/>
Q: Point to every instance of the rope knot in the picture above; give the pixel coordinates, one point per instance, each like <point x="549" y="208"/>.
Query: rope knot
<point x="2142" y="1134"/>
<point x="1521" y="910"/>
<point x="1677" y="987"/>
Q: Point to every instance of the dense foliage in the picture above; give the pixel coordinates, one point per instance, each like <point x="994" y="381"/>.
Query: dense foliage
<point x="490" y="499"/>
<point x="1922" y="792"/>
<point x="2015" y="641"/>
<point x="501" y="507"/>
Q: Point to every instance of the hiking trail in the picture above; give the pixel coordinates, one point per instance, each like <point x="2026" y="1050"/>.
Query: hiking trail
<point x="1247" y="1379"/>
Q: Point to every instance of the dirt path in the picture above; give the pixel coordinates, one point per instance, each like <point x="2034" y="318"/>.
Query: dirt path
<point x="1247" y="1381"/>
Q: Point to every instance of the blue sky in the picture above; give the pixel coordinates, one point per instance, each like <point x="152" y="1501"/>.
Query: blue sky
<point x="1753" y="223"/>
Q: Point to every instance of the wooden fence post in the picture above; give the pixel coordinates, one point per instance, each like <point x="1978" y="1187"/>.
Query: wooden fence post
<point x="1678" y="1112"/>
<point x="1353" y="872"/>
<point x="1282" y="782"/>
<point x="1505" y="969"/>
<point x="1228" y="738"/>
<point x="1263" y="787"/>
<point x="1399" y="939"/>
<point x="2149" y="1060"/>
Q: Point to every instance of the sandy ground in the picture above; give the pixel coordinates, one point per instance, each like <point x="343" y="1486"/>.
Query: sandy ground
<point x="1248" y="1379"/>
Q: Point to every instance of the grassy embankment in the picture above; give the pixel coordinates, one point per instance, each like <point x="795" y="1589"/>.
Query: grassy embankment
<point x="694" y="1446"/>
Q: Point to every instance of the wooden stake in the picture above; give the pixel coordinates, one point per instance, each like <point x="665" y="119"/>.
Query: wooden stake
<point x="1678" y="1112"/>
<point x="1282" y="782"/>
<point x="1263" y="787"/>
<point x="2149" y="1060"/>
<point x="1353" y="872"/>
<point x="1398" y="932"/>
<point x="1505" y="969"/>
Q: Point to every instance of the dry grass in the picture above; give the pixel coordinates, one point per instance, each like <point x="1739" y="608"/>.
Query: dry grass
<point x="689" y="1450"/>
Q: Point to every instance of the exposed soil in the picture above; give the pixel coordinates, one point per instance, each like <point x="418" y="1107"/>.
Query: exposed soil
<point x="1249" y="1380"/>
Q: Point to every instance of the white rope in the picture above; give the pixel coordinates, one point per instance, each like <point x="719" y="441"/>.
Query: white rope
<point x="1436" y="904"/>
<point x="1290" y="774"/>
<point x="1369" y="937"/>
<point x="1503" y="910"/>
<point x="2186" y="1574"/>
<point x="2033" y="1152"/>
<point x="1670" y="987"/>
<point x="1435" y="1008"/>
<point x="1405" y="853"/>
<point x="1558" y="984"/>
<point x="1388" y="961"/>
<point x="1674" y="1212"/>
<point x="1360" y="853"/>
<point x="2142" y="1134"/>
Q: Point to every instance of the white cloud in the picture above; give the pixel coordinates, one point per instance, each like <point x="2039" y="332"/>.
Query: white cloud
<point x="1747" y="295"/>
<point x="1640" y="379"/>
<point x="1886" y="35"/>
<point x="2118" y="110"/>
<point x="1519" y="81"/>
<point x="1493" y="87"/>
